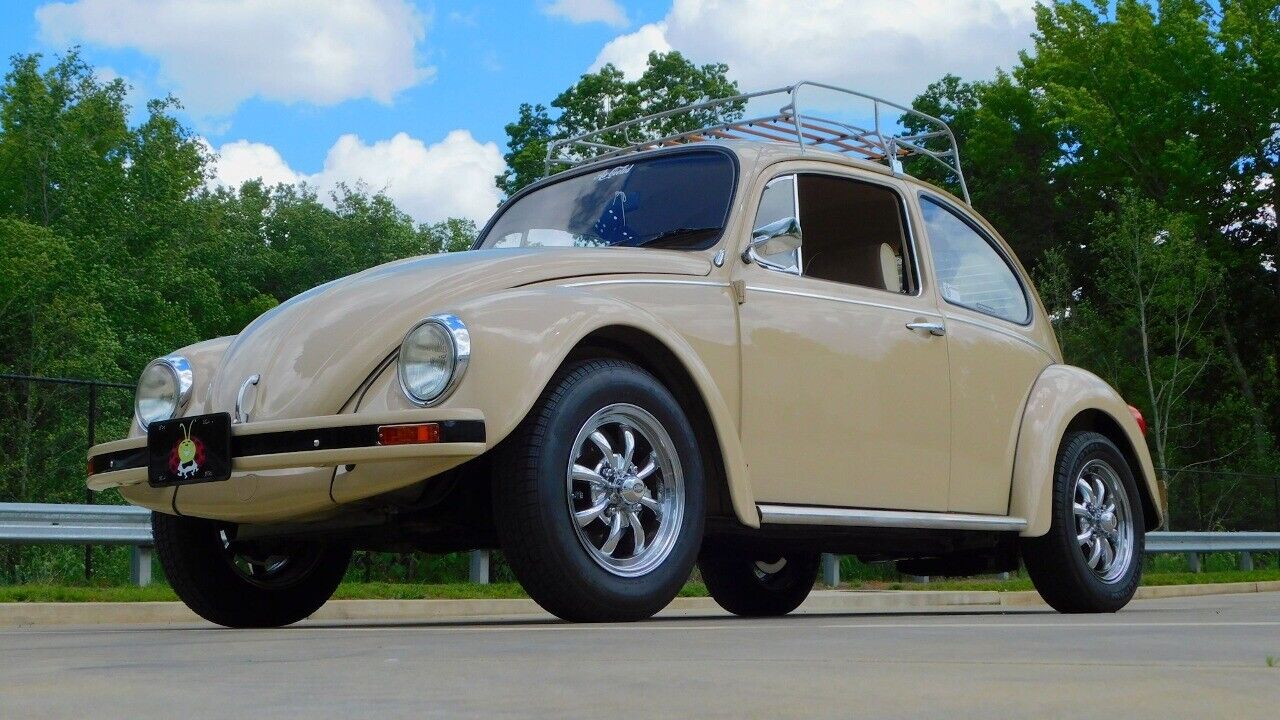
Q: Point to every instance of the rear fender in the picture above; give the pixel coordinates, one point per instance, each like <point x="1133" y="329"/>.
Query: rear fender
<point x="1063" y="395"/>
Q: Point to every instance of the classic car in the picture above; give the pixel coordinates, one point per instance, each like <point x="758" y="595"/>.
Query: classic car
<point x="738" y="347"/>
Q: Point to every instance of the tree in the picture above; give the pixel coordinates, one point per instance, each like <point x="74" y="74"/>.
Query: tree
<point x="1161" y="115"/>
<point x="604" y="98"/>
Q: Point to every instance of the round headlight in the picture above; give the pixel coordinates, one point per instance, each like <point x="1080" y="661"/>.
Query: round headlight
<point x="433" y="357"/>
<point x="165" y="386"/>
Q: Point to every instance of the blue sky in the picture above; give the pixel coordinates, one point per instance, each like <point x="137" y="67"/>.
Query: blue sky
<point x="411" y="96"/>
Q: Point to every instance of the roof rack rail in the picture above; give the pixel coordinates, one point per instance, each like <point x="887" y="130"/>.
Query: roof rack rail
<point x="879" y="143"/>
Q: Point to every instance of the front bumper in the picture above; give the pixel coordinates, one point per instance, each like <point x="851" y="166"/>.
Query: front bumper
<point x="315" y="442"/>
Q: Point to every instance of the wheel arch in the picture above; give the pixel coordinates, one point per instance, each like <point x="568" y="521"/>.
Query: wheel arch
<point x="1066" y="398"/>
<point x="522" y="339"/>
<point x="630" y="343"/>
<point x="1096" y="420"/>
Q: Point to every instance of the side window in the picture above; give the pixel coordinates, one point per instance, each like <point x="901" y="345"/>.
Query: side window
<point x="854" y="233"/>
<point x="777" y="203"/>
<point x="971" y="272"/>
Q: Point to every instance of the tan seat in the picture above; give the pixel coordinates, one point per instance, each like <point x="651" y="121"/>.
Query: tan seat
<point x="889" y="270"/>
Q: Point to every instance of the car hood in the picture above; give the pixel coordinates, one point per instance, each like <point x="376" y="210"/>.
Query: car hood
<point x="313" y="351"/>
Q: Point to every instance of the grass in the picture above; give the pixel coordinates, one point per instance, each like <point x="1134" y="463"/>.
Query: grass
<point x="160" y="592"/>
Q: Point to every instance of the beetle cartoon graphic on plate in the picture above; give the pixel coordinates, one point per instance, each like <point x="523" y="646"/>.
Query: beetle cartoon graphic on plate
<point x="187" y="455"/>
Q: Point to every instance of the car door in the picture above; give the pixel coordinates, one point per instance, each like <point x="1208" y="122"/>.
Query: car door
<point x="845" y="389"/>
<point x="996" y="352"/>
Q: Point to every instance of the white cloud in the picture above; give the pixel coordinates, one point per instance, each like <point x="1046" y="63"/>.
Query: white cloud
<point x="216" y="54"/>
<point x="608" y="12"/>
<point x="450" y="178"/>
<point x="244" y="160"/>
<point x="630" y="53"/>
<point x="890" y="49"/>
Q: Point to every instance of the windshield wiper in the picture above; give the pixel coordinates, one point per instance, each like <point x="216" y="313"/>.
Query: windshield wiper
<point x="679" y="238"/>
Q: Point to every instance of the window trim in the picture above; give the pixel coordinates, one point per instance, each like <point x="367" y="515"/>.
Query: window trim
<point x="911" y="246"/>
<point x="924" y="196"/>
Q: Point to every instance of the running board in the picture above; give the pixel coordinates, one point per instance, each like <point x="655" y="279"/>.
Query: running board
<point x="854" y="517"/>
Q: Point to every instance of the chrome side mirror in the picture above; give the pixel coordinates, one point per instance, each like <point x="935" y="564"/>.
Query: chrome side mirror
<point x="776" y="238"/>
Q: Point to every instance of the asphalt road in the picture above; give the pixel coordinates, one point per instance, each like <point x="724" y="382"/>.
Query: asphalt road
<point x="1193" y="657"/>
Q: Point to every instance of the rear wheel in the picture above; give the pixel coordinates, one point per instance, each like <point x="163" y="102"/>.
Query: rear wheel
<point x="758" y="584"/>
<point x="1091" y="558"/>
<point x="238" y="584"/>
<point x="599" y="499"/>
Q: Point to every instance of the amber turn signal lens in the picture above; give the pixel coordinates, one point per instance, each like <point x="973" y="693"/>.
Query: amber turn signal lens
<point x="416" y="434"/>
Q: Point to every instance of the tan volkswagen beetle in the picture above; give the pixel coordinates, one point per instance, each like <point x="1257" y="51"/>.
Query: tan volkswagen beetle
<point x="739" y="346"/>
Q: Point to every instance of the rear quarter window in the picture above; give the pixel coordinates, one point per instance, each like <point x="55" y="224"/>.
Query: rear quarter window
<point x="971" y="272"/>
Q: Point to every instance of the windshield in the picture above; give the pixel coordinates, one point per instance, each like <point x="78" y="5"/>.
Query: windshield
<point x="675" y="202"/>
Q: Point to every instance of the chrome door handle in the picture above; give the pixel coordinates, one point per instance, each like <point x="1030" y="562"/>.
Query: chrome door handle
<point x="933" y="328"/>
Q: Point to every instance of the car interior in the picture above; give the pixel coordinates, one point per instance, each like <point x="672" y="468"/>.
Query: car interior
<point x="853" y="234"/>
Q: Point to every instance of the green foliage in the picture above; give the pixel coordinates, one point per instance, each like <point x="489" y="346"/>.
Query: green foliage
<point x="1130" y="157"/>
<point x="114" y="251"/>
<point x="605" y="98"/>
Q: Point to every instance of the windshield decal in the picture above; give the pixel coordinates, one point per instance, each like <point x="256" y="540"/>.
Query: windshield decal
<point x="614" y="172"/>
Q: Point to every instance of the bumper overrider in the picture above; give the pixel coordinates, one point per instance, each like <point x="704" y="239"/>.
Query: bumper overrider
<point x="323" y="441"/>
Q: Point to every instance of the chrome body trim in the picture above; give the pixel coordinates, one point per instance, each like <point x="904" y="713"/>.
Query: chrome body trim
<point x="851" y="301"/>
<point x="647" y="281"/>
<point x="459" y="341"/>
<point x="857" y="517"/>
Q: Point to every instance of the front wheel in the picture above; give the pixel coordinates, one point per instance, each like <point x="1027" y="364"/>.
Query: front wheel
<point x="239" y="585"/>
<point x="758" y="584"/>
<point x="1091" y="558"/>
<point x="598" y="499"/>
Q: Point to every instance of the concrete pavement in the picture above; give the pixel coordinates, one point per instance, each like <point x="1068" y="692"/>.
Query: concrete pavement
<point x="1185" y="657"/>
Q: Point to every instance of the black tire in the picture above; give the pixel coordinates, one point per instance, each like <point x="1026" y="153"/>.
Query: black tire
<point x="741" y="583"/>
<point x="1056" y="561"/>
<point x="203" y="571"/>
<point x="532" y="503"/>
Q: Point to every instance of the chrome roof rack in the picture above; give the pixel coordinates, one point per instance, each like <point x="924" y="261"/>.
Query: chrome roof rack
<point x="882" y="143"/>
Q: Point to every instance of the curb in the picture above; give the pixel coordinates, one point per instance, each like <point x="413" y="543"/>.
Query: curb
<point x="820" y="601"/>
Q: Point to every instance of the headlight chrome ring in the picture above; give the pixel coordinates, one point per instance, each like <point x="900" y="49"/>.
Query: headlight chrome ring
<point x="459" y="351"/>
<point x="174" y="370"/>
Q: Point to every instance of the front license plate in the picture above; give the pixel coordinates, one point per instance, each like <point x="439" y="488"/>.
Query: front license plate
<point x="189" y="450"/>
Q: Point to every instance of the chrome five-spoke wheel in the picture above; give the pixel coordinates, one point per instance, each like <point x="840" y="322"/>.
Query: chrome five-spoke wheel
<point x="1104" y="522"/>
<point x="625" y="490"/>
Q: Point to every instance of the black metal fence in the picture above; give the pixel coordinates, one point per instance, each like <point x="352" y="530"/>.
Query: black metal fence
<point x="46" y="427"/>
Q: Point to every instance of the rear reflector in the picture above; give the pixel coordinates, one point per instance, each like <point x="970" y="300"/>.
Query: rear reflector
<point x="1137" y="415"/>
<point x="416" y="434"/>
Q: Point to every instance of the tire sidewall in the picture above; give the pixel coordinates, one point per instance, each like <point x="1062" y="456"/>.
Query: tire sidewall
<point x="196" y="567"/>
<point x="620" y="384"/>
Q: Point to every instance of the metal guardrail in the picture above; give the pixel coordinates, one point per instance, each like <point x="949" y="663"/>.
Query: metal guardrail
<point x="1176" y="542"/>
<point x="39" y="523"/>
<point x="55" y="523"/>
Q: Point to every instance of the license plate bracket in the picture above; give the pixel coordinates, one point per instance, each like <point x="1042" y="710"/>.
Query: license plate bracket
<point x="189" y="450"/>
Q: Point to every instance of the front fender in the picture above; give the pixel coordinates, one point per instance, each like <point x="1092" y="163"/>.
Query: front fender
<point x="521" y="337"/>
<point x="1060" y="395"/>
